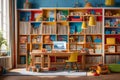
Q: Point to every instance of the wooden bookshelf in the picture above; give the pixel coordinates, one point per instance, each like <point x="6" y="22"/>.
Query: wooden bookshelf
<point x="112" y="29"/>
<point x="40" y="27"/>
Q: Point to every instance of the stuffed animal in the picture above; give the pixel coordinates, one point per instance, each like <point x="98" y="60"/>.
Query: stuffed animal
<point x="99" y="69"/>
<point x="47" y="39"/>
<point x="102" y="69"/>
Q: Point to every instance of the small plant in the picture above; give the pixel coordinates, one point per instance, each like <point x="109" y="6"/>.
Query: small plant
<point x="2" y="40"/>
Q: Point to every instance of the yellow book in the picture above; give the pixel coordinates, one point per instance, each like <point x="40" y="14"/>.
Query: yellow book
<point x="110" y="41"/>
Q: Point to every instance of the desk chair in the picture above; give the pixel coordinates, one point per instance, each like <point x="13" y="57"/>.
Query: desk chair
<point x="72" y="61"/>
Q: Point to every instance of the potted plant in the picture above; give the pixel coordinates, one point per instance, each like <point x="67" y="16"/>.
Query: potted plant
<point x="2" y="41"/>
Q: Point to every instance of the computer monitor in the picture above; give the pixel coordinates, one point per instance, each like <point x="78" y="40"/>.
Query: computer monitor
<point x="59" y="45"/>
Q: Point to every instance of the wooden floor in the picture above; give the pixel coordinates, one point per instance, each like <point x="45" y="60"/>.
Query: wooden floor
<point x="112" y="76"/>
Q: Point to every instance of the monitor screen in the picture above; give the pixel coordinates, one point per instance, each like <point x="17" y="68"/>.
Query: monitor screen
<point x="59" y="45"/>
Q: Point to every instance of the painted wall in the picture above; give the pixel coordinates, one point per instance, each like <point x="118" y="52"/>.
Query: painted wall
<point x="62" y="3"/>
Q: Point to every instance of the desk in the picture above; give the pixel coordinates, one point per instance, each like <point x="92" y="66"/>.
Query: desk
<point x="48" y="55"/>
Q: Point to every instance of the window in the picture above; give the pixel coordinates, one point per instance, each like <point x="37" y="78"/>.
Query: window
<point x="4" y="21"/>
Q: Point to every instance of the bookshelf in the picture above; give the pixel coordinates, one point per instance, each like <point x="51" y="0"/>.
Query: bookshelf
<point x="38" y="28"/>
<point x="112" y="34"/>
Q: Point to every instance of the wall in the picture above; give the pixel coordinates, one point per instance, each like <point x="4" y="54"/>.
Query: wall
<point x="62" y="3"/>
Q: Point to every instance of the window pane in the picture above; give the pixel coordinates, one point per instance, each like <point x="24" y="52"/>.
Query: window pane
<point x="0" y="22"/>
<point x="4" y="8"/>
<point x="5" y="27"/>
<point x="4" y="19"/>
<point x="0" y="5"/>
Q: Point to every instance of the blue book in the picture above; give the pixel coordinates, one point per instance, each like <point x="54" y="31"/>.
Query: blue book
<point x="23" y="60"/>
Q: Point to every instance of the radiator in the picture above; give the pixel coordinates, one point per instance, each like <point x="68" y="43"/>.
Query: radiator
<point x="5" y="61"/>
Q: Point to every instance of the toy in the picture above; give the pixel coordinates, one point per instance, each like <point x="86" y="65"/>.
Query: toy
<point x="71" y="39"/>
<point x="102" y="69"/>
<point x="47" y="39"/>
<point x="88" y="4"/>
<point x="39" y="17"/>
<point x="108" y="13"/>
<point x="99" y="69"/>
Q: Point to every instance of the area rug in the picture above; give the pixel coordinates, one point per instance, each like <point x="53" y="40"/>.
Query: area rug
<point x="18" y="72"/>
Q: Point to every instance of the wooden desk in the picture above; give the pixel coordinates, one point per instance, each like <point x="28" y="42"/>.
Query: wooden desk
<point x="48" y="55"/>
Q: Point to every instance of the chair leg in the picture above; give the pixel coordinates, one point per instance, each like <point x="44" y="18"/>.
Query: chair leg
<point x="70" y="66"/>
<point x="64" y="66"/>
<point x="77" y="67"/>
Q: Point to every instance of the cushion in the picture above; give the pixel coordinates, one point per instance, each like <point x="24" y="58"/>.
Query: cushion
<point x="114" y="67"/>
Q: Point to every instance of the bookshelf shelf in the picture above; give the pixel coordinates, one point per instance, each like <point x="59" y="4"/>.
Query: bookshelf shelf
<point x="36" y="43"/>
<point x="112" y="53"/>
<point x="35" y="21"/>
<point x="94" y="34"/>
<point x="112" y="34"/>
<point x="85" y="15"/>
<point x="112" y="44"/>
<point x="75" y="21"/>
<point x="37" y="62"/>
<point x="93" y="43"/>
<point x="48" y="43"/>
<point x="94" y="54"/>
<point x="112" y="16"/>
<point x="111" y="27"/>
<point x="22" y="54"/>
<point x="76" y="34"/>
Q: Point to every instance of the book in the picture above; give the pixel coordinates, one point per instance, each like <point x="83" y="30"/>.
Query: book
<point x="118" y="48"/>
<point x="79" y="47"/>
<point x="23" y="39"/>
<point x="23" y="60"/>
<point x="98" y="51"/>
<point x="91" y="51"/>
<point x="72" y="47"/>
<point x="89" y="39"/>
<point x="111" y="48"/>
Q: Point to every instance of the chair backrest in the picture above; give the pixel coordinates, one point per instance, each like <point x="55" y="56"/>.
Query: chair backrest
<point x="73" y="56"/>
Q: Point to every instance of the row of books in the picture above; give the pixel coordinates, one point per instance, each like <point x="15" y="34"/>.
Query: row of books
<point x="48" y="29"/>
<point x="95" y="30"/>
<point x="96" y="39"/>
<point x="23" y="51"/>
<point x="75" y="47"/>
<point x="37" y="59"/>
<point x="95" y="51"/>
<point x="23" y="46"/>
<point x="24" y="27"/>
<point x="79" y="39"/>
<point x="112" y="59"/>
<point x="27" y="28"/>
<point x="37" y="30"/>
<point x="24" y="39"/>
<point x="46" y="59"/>
<point x="35" y="46"/>
<point x="62" y="29"/>
<point x="113" y="48"/>
<point x="59" y="60"/>
<point x="93" y="59"/>
<point x="36" y="39"/>
<point x="112" y="22"/>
